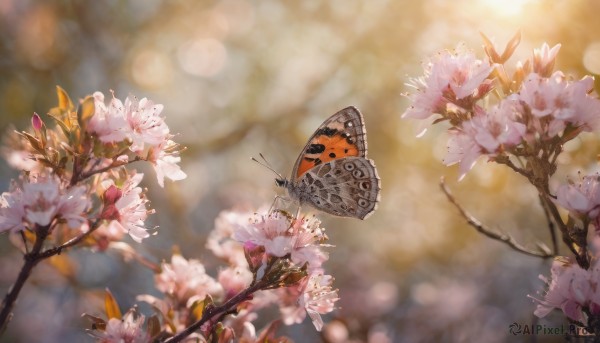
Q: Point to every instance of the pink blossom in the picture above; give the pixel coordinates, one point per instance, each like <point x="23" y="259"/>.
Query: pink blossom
<point x="313" y="295"/>
<point x="487" y="133"/>
<point x="129" y="210"/>
<point x="186" y="280"/>
<point x="165" y="162"/>
<point x="554" y="102"/>
<point x="449" y="78"/>
<point x="145" y="122"/>
<point x="462" y="149"/>
<point x="126" y="330"/>
<point x="39" y="200"/>
<point x="319" y="298"/>
<point x="234" y="280"/>
<point x="570" y="289"/>
<point x="581" y="198"/>
<point x="108" y="122"/>
<point x="282" y="236"/>
<point x="221" y="242"/>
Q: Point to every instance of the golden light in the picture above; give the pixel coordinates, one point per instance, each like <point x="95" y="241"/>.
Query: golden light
<point x="151" y="69"/>
<point x="505" y="8"/>
<point x="204" y="57"/>
<point x="591" y="58"/>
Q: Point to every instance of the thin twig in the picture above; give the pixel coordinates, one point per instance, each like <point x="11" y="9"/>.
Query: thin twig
<point x="84" y="176"/>
<point x="551" y="226"/>
<point x="504" y="238"/>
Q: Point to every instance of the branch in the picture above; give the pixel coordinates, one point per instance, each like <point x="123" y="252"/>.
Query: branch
<point x="31" y="260"/>
<point x="221" y="310"/>
<point x="504" y="238"/>
<point x="84" y="176"/>
<point x="58" y="250"/>
<point x="551" y="226"/>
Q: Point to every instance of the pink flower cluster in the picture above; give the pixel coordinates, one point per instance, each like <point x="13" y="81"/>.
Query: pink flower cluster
<point x="139" y="123"/>
<point x="571" y="289"/>
<point x="300" y="241"/>
<point x="546" y="106"/>
<point x="40" y="200"/>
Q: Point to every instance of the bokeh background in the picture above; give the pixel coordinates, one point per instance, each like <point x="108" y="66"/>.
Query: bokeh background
<point x="241" y="77"/>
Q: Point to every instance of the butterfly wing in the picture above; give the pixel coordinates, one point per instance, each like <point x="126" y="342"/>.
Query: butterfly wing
<point x="342" y="135"/>
<point x="347" y="187"/>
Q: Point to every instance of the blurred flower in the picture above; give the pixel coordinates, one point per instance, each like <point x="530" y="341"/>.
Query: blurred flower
<point x="313" y="295"/>
<point x="126" y="330"/>
<point x="544" y="59"/>
<point x="220" y="240"/>
<point x="126" y="207"/>
<point x="570" y="289"/>
<point x="234" y="280"/>
<point x="39" y="200"/>
<point x="554" y="102"/>
<point x="186" y="280"/>
<point x="581" y="198"/>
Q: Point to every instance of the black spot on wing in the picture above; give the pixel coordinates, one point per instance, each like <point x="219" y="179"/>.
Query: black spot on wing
<point x="315" y="149"/>
<point x="327" y="131"/>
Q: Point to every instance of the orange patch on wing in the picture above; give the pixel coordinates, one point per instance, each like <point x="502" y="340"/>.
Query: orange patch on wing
<point x="335" y="147"/>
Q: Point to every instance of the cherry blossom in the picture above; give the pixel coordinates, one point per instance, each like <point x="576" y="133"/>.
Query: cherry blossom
<point x="457" y="77"/>
<point x="164" y="161"/>
<point x="126" y="330"/>
<point x="126" y="208"/>
<point x="280" y="236"/>
<point x="313" y="295"/>
<point x="108" y="122"/>
<point x="145" y="122"/>
<point x="581" y="198"/>
<point x="39" y="200"/>
<point x="186" y="280"/>
<point x="570" y="288"/>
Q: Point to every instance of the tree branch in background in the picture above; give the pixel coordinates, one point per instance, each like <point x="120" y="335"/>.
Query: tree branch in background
<point x="543" y="251"/>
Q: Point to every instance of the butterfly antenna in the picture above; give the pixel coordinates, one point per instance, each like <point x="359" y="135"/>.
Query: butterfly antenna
<point x="267" y="165"/>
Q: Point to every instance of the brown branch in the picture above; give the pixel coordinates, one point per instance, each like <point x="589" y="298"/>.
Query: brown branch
<point x="31" y="260"/>
<point x="84" y="176"/>
<point x="551" y="226"/>
<point x="504" y="238"/>
<point x="214" y="311"/>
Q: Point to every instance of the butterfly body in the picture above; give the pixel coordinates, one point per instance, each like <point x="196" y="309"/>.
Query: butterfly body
<point x="332" y="173"/>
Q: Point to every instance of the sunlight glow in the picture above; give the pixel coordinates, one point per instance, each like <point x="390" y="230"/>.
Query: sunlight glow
<point x="506" y="8"/>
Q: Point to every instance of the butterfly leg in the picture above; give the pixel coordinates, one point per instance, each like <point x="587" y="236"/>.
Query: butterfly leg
<point x="278" y="198"/>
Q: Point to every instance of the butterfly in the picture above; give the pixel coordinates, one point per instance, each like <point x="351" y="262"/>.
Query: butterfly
<point x="333" y="173"/>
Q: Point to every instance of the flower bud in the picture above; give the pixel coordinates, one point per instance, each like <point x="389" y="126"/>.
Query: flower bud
<point x="36" y="122"/>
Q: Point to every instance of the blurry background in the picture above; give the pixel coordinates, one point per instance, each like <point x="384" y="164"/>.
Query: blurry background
<point x="240" y="77"/>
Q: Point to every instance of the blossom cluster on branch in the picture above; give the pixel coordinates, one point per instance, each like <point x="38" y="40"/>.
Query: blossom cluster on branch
<point x="522" y="119"/>
<point x="76" y="189"/>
